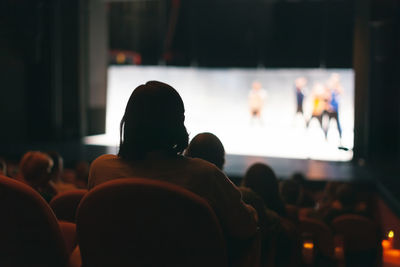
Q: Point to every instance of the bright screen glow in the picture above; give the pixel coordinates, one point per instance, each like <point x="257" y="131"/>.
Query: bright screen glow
<point x="252" y="111"/>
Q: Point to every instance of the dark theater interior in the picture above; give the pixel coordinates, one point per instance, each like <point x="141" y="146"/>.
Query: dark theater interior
<point x="254" y="133"/>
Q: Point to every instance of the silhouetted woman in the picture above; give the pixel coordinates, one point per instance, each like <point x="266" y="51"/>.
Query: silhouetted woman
<point x="153" y="137"/>
<point x="261" y="179"/>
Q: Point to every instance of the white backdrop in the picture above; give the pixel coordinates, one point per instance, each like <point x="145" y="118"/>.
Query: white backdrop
<point x="216" y="100"/>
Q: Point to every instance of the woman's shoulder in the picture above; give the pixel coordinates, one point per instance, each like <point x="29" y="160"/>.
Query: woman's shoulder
<point x="107" y="161"/>
<point x="200" y="165"/>
<point x="107" y="167"/>
<point x="105" y="158"/>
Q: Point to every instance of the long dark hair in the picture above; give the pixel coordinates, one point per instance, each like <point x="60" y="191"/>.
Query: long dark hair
<point x="261" y="179"/>
<point x="153" y="120"/>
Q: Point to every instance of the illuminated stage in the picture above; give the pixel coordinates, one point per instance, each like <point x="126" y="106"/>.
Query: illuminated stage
<point x="216" y="100"/>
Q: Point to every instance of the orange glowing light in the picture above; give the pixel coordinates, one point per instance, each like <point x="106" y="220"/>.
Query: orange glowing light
<point x="386" y="244"/>
<point x="393" y="252"/>
<point x="391" y="234"/>
<point x="121" y="58"/>
<point x="308" y="245"/>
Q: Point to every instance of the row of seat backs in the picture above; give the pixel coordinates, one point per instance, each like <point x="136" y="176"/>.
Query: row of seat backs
<point x="107" y="222"/>
<point x="351" y="238"/>
<point x="356" y="232"/>
<point x="139" y="222"/>
<point x="65" y="205"/>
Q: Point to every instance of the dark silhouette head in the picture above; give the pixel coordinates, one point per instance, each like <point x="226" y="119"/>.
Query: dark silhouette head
<point x="153" y="121"/>
<point x="208" y="147"/>
<point x="299" y="178"/>
<point x="261" y="179"/>
<point x="35" y="168"/>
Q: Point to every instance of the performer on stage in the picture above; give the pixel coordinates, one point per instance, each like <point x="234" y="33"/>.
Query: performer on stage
<point x="257" y="96"/>
<point x="320" y="102"/>
<point x="336" y="90"/>
<point x="300" y="84"/>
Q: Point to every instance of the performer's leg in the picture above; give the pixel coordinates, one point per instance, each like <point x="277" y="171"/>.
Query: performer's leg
<point x="327" y="123"/>
<point x="301" y="108"/>
<point x="320" y="119"/>
<point x="336" y="116"/>
<point x="309" y="120"/>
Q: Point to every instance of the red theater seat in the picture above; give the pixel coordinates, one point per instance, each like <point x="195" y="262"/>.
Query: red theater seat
<point x="284" y="252"/>
<point x="321" y="235"/>
<point x="29" y="231"/>
<point x="68" y="230"/>
<point x="361" y="240"/>
<point x="143" y="222"/>
<point x="65" y="204"/>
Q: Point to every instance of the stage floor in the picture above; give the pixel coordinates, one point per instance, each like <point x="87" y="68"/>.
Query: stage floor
<point x="236" y="166"/>
<point x="216" y="100"/>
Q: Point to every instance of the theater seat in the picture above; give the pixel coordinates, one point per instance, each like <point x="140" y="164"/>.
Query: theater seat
<point x="29" y="231"/>
<point x="284" y="249"/>
<point x="68" y="230"/>
<point x="65" y="204"/>
<point x="321" y="236"/>
<point x="361" y="240"/>
<point x="143" y="222"/>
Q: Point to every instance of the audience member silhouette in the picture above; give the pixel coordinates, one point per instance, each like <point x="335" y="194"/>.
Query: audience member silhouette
<point x="275" y="242"/>
<point x="253" y="199"/>
<point x="345" y="203"/>
<point x="261" y="179"/>
<point x="152" y="139"/>
<point x="207" y="146"/>
<point x="35" y="168"/>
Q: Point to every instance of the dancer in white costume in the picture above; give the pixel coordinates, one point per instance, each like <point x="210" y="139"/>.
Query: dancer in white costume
<point x="257" y="97"/>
